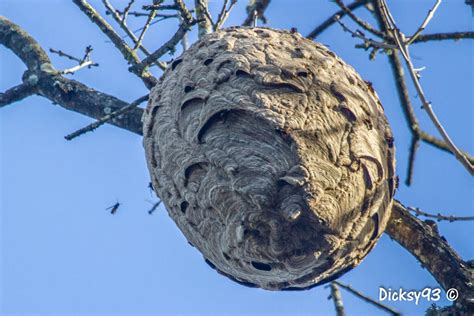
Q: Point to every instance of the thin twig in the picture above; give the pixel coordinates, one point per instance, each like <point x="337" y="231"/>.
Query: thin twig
<point x="403" y="48"/>
<point x="329" y="21"/>
<point x="126" y="11"/>
<point x="367" y="41"/>
<point x="425" y="22"/>
<point x="106" y="118"/>
<point x="129" y="55"/>
<point x="83" y="63"/>
<point x="365" y="25"/>
<point x="123" y="25"/>
<point x="368" y="299"/>
<point x="150" y="18"/>
<point x="166" y="47"/>
<point x="63" y="54"/>
<point x="337" y="299"/>
<point x="224" y="14"/>
<point x="440" y="217"/>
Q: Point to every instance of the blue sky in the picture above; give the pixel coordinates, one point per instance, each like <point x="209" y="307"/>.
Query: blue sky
<point x="62" y="253"/>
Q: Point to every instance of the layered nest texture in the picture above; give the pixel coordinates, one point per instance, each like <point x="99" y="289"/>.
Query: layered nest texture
<point x="272" y="155"/>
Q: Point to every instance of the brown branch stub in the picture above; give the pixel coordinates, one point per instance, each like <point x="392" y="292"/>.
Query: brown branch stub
<point x="433" y="252"/>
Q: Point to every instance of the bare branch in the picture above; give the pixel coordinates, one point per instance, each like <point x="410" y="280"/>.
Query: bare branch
<point x="150" y="18"/>
<point x="123" y="24"/>
<point x="16" y="93"/>
<point x="224" y="14"/>
<point x="425" y="23"/>
<point x="165" y="48"/>
<point x="331" y="20"/>
<point x="367" y="41"/>
<point x="256" y="5"/>
<point x="440" y="217"/>
<point x="336" y="297"/>
<point x="82" y="63"/>
<point x="70" y="94"/>
<point x="126" y="51"/>
<point x="126" y="10"/>
<point x="106" y="118"/>
<point x="403" y="48"/>
<point x="368" y="299"/>
<point x="444" y="36"/>
<point x="365" y="25"/>
<point x="432" y="251"/>
<point x="203" y="16"/>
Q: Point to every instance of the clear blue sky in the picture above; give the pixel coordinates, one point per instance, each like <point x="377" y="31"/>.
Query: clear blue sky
<point x="63" y="253"/>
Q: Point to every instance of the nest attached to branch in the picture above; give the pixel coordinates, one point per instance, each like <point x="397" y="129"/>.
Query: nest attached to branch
<point x="273" y="157"/>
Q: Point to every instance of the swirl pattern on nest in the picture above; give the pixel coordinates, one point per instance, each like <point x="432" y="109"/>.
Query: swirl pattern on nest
<point x="273" y="157"/>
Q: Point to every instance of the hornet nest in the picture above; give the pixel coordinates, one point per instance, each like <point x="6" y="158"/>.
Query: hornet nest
<point x="273" y="157"/>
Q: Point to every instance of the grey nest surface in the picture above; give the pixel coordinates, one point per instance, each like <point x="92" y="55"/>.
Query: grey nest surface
<point x="273" y="157"/>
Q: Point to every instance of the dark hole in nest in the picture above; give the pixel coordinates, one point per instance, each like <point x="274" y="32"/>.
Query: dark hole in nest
<point x="184" y="206"/>
<point x="176" y="63"/>
<point x="242" y="73"/>
<point x="303" y="74"/>
<point x="261" y="266"/>
<point x="188" y="89"/>
<point x="208" y="61"/>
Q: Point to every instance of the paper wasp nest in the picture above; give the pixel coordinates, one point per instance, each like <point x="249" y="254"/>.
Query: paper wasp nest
<point x="273" y="157"/>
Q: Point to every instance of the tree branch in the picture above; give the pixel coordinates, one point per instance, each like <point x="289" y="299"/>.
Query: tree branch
<point x="365" y="25"/>
<point x="433" y="252"/>
<point x="203" y="16"/>
<point x="45" y="81"/>
<point x="129" y="54"/>
<point x="390" y="26"/>
<point x="16" y="93"/>
<point x="368" y="299"/>
<point x="331" y="20"/>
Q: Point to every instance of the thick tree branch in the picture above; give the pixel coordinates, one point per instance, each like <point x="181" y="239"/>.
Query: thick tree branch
<point x="16" y="93"/>
<point x="203" y="16"/>
<point x="44" y="80"/>
<point x="433" y="252"/>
